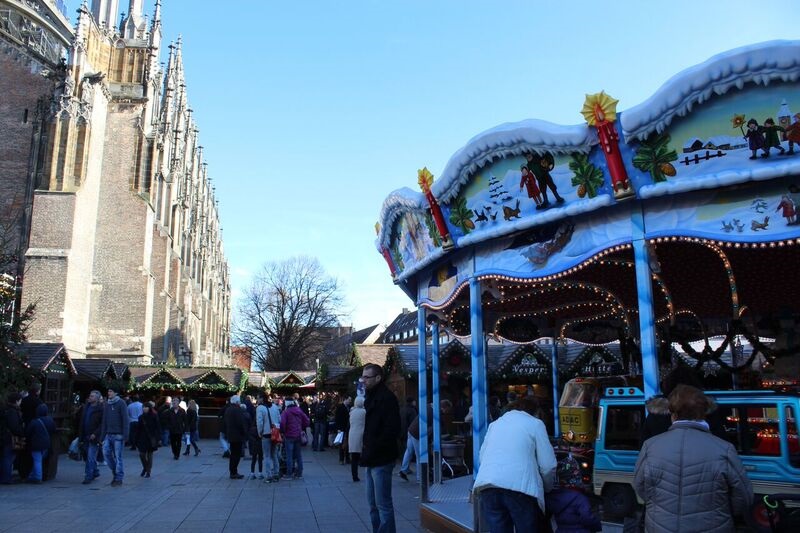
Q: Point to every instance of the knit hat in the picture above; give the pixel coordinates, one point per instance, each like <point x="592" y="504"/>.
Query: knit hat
<point x="568" y="472"/>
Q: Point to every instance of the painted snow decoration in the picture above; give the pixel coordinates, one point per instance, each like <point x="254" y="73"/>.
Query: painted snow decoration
<point x="522" y="192"/>
<point x="753" y="213"/>
<point x="759" y="63"/>
<point x="733" y="139"/>
<point x="414" y="240"/>
<point x="726" y="122"/>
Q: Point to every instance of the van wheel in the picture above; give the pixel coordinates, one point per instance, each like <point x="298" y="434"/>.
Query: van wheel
<point x="618" y="500"/>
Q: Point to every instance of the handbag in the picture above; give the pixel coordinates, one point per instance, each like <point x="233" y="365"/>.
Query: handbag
<point x="303" y="438"/>
<point x="17" y="443"/>
<point x="275" y="436"/>
<point x="339" y="439"/>
<point x="274" y="432"/>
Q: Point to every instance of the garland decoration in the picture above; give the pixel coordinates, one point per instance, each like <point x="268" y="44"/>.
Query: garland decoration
<point x="737" y="328"/>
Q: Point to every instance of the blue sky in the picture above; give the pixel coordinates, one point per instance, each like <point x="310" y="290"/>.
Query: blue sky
<point x="312" y="112"/>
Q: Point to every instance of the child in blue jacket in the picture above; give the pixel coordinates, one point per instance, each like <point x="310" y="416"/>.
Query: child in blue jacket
<point x="567" y="504"/>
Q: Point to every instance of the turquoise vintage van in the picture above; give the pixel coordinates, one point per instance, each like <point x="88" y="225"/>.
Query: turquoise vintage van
<point x="762" y="425"/>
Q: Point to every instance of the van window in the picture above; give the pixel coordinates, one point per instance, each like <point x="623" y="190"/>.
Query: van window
<point x="753" y="428"/>
<point x="794" y="444"/>
<point x="579" y="394"/>
<point x="624" y="427"/>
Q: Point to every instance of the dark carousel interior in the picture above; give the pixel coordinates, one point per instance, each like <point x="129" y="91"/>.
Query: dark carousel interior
<point x="701" y="289"/>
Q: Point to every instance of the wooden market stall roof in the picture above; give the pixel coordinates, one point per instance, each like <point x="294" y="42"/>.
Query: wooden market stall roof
<point x="502" y="357"/>
<point x="182" y="378"/>
<point x="43" y="354"/>
<point x="94" y="369"/>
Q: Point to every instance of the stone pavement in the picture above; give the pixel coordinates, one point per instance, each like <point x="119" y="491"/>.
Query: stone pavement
<point x="196" y="494"/>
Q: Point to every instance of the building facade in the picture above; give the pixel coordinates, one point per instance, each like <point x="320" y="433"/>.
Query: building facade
<point x="115" y="224"/>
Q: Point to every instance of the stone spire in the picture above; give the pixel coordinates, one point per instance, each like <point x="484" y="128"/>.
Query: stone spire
<point x="155" y="41"/>
<point x="157" y="14"/>
<point x="134" y="26"/>
<point x="105" y="12"/>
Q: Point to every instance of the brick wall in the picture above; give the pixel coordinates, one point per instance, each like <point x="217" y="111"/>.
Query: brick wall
<point x="117" y="322"/>
<point x="21" y="87"/>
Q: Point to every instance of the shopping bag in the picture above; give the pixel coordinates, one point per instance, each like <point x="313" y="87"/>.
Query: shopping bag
<point x="75" y="450"/>
<point x="339" y="439"/>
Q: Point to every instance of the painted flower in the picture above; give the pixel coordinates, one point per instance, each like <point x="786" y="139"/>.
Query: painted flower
<point x="425" y="179"/>
<point x="737" y="121"/>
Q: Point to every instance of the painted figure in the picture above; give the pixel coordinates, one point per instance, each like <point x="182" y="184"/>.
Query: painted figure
<point x="755" y="138"/>
<point x="528" y="181"/>
<point x="789" y="209"/>
<point x="772" y="138"/>
<point x="541" y="166"/>
<point x="792" y="133"/>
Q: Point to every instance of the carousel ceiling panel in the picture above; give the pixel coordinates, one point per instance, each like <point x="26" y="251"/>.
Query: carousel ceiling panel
<point x="696" y="277"/>
<point x="766" y="279"/>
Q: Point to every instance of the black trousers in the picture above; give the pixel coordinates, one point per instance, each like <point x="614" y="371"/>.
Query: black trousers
<point x="354" y="459"/>
<point x="236" y="456"/>
<point x="147" y="461"/>
<point x="175" y="443"/>
<point x="256" y="456"/>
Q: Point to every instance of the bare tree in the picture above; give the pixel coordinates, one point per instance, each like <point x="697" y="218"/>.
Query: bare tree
<point x="286" y="314"/>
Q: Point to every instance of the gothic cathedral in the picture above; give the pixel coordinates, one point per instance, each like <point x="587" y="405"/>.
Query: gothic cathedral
<point x="108" y="219"/>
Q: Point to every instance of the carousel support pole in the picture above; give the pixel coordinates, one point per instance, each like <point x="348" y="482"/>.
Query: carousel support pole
<point x="437" y="424"/>
<point x="554" y="371"/>
<point x="422" y="361"/>
<point x="644" y="288"/>
<point x="479" y="385"/>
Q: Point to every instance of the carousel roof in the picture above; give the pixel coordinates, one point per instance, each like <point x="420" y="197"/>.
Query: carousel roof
<point x="483" y="202"/>
<point x="759" y="63"/>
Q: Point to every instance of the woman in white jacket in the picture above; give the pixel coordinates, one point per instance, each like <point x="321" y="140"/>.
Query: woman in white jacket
<point x="517" y="467"/>
<point x="355" y="437"/>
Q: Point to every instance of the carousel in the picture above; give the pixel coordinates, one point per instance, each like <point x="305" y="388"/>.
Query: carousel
<point x="669" y="230"/>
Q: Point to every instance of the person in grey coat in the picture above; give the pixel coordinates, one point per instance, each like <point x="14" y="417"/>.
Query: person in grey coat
<point x="355" y="438"/>
<point x="689" y="479"/>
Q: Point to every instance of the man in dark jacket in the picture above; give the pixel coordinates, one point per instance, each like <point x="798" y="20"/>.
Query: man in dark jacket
<point x="320" y="409"/>
<point x="114" y="431"/>
<point x="687" y="473"/>
<point x="28" y="407"/>
<point x="176" y="425"/>
<point x="381" y="429"/>
<point x="90" y="421"/>
<point x="235" y="424"/>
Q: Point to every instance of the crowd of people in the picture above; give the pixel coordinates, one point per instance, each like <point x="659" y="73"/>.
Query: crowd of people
<point x="683" y="469"/>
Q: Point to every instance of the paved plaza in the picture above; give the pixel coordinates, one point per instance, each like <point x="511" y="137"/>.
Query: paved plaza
<point x="196" y="494"/>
